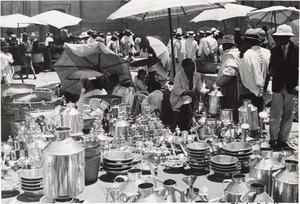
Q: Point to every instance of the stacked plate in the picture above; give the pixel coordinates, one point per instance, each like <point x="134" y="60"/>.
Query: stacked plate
<point x="241" y="150"/>
<point x="32" y="183"/>
<point x="224" y="164"/>
<point x="198" y="155"/>
<point x="117" y="162"/>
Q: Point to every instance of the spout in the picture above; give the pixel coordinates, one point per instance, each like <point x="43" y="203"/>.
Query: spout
<point x="169" y="185"/>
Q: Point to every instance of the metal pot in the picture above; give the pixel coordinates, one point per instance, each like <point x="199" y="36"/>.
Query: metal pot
<point x="261" y="169"/>
<point x="214" y="101"/>
<point x="147" y="194"/>
<point x="71" y="118"/>
<point x="256" y="194"/>
<point x="285" y="188"/>
<point x="248" y="114"/>
<point x="236" y="188"/>
<point x="63" y="166"/>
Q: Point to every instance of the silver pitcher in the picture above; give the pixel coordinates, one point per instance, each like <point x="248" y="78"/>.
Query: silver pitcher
<point x="71" y="118"/>
<point x="248" y="114"/>
<point x="261" y="169"/>
<point x="256" y="194"/>
<point x="287" y="153"/>
<point x="63" y="166"/>
<point x="147" y="194"/>
<point x="171" y="187"/>
<point x="236" y="188"/>
<point x="285" y="183"/>
<point x="214" y="101"/>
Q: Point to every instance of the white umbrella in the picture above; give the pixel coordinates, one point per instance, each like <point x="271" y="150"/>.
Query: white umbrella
<point x="156" y="9"/>
<point x="160" y="49"/>
<point x="57" y="19"/>
<point x="17" y="21"/>
<point x="275" y="14"/>
<point x="221" y="14"/>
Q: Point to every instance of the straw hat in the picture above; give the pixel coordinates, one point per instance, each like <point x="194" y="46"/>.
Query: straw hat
<point x="190" y="33"/>
<point x="228" y="39"/>
<point x="284" y="30"/>
<point x="252" y="34"/>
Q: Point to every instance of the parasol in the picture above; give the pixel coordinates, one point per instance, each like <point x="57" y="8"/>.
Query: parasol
<point x="156" y="9"/>
<point x="17" y="21"/>
<point x="84" y="74"/>
<point x="149" y="62"/>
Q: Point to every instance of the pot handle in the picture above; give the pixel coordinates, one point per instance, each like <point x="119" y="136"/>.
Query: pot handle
<point x="118" y="184"/>
<point x="229" y="181"/>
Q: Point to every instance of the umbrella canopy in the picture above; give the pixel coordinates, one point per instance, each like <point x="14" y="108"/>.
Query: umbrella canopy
<point x="84" y="74"/>
<point x="275" y="14"/>
<point x="220" y="14"/>
<point x="57" y="19"/>
<point x="156" y="9"/>
<point x="160" y="49"/>
<point x="17" y="21"/>
<point x="94" y="56"/>
<point x="145" y="62"/>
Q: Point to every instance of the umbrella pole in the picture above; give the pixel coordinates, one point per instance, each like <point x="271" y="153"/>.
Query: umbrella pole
<point x="225" y="27"/>
<point x="274" y="18"/>
<point x="171" y="36"/>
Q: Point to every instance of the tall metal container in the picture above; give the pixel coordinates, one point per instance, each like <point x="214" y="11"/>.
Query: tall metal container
<point x="236" y="188"/>
<point x="71" y="118"/>
<point x="214" y="101"/>
<point x="285" y="183"/>
<point x="262" y="169"/>
<point x="248" y="114"/>
<point x="63" y="166"/>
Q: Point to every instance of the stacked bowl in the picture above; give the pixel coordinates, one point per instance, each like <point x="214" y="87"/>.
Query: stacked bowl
<point x="117" y="162"/>
<point x="32" y="183"/>
<point x="241" y="150"/>
<point x="198" y="155"/>
<point x="225" y="165"/>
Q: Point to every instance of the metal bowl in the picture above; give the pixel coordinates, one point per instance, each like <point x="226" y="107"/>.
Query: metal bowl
<point x="197" y="146"/>
<point x="118" y="156"/>
<point x="32" y="174"/>
<point x="175" y="164"/>
<point x="224" y="160"/>
<point x="238" y="147"/>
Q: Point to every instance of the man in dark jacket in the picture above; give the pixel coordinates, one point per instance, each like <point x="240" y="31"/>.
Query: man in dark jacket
<point x="284" y="65"/>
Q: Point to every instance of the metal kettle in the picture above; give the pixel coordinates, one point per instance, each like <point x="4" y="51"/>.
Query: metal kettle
<point x="248" y="114"/>
<point x="285" y="183"/>
<point x="256" y="194"/>
<point x="71" y="118"/>
<point x="262" y="168"/>
<point x="63" y="166"/>
<point x="147" y="194"/>
<point x="236" y="188"/>
<point x="214" y="98"/>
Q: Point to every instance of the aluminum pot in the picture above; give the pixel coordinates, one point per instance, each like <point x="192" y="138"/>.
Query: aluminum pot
<point x="285" y="183"/>
<point x="63" y="166"/>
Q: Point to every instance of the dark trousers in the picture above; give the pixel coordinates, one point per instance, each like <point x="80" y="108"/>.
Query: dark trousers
<point x="184" y="117"/>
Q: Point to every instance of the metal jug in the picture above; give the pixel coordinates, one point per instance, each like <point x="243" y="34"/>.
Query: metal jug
<point x="287" y="153"/>
<point x="226" y="116"/>
<point x="248" y="114"/>
<point x="129" y="184"/>
<point x="236" y="188"/>
<point x="63" y="166"/>
<point x="214" y="101"/>
<point x="256" y="194"/>
<point x="262" y="168"/>
<point x="71" y="118"/>
<point x="285" y="188"/>
<point x="147" y="194"/>
<point x="121" y="129"/>
<point x="171" y="187"/>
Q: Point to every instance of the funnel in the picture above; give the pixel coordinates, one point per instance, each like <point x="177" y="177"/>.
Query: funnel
<point x="189" y="180"/>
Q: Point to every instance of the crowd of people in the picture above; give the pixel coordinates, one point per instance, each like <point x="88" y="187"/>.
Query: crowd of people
<point x="247" y="62"/>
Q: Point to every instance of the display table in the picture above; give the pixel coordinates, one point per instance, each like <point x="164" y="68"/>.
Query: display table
<point x="95" y="193"/>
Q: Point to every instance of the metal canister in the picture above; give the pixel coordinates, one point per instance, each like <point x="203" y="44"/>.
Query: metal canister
<point x="214" y="101"/>
<point x="63" y="166"/>
<point x="115" y="111"/>
<point x="248" y="114"/>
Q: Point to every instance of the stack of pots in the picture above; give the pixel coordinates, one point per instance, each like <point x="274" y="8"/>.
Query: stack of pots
<point x="92" y="161"/>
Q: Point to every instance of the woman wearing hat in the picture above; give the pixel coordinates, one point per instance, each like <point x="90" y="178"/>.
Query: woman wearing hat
<point x="6" y="60"/>
<point x="284" y="68"/>
<point x="253" y="69"/>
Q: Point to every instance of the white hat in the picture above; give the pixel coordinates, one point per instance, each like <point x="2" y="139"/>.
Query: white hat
<point x="83" y="35"/>
<point x="213" y="30"/>
<point x="284" y="30"/>
<point x="179" y="31"/>
<point x="190" y="33"/>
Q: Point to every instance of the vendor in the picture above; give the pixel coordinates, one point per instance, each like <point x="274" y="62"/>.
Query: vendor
<point x="185" y="93"/>
<point x="97" y="89"/>
<point x="140" y="81"/>
<point x="124" y="90"/>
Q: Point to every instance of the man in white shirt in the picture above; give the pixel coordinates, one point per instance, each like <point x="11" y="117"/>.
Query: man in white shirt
<point x="49" y="38"/>
<point x="190" y="46"/>
<point x="210" y="48"/>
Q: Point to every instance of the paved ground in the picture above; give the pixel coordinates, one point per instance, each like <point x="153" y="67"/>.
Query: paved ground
<point x="47" y="78"/>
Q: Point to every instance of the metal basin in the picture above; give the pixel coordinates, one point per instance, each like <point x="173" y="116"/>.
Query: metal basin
<point x="197" y="146"/>
<point x="224" y="160"/>
<point x="238" y="147"/>
<point x="118" y="156"/>
<point x="32" y="174"/>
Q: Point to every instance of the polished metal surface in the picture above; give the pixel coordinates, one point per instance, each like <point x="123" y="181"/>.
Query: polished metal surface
<point x="63" y="166"/>
<point x="256" y="194"/>
<point x="226" y="116"/>
<point x="238" y="147"/>
<point x="71" y="118"/>
<point x="248" y="114"/>
<point x="286" y="183"/>
<point x="214" y="98"/>
<point x="224" y="160"/>
<point x="235" y="188"/>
